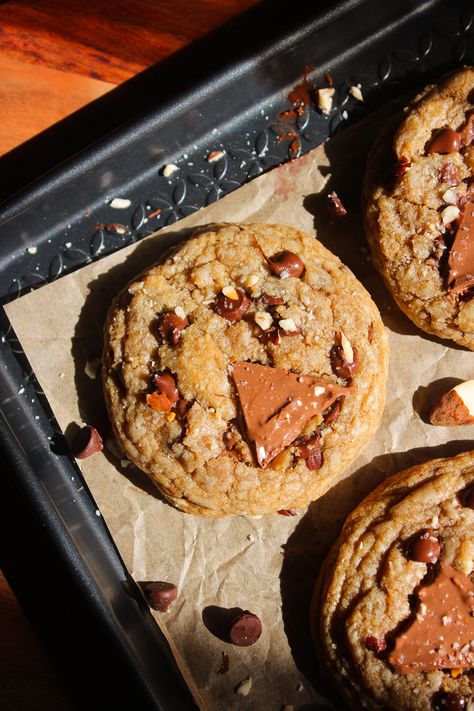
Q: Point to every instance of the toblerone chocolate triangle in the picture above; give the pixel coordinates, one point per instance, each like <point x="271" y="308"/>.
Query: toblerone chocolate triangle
<point x="277" y="404"/>
<point x="441" y="635"/>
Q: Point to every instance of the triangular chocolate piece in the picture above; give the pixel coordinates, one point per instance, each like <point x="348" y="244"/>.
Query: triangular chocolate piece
<point x="277" y="404"/>
<point x="441" y="635"/>
<point x="461" y="255"/>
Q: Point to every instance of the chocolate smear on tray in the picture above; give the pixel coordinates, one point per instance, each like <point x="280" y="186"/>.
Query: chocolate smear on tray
<point x="440" y="635"/>
<point x="461" y="255"/>
<point x="277" y="404"/>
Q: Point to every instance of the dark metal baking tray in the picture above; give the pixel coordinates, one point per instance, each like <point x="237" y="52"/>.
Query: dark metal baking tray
<point x="224" y="93"/>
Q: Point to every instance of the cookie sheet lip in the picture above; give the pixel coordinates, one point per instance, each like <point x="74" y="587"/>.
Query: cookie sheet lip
<point x="193" y="450"/>
<point x="418" y="219"/>
<point x="367" y="592"/>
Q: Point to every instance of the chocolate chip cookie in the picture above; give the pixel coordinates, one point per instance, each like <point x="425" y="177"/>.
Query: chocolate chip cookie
<point x="245" y="372"/>
<point x="393" y="608"/>
<point x="419" y="208"/>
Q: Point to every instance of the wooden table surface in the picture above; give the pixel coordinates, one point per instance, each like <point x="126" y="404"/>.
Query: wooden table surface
<point x="55" y="57"/>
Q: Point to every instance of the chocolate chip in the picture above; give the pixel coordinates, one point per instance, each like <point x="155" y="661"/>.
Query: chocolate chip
<point x="311" y="450"/>
<point x="245" y="630"/>
<point x="448" y="701"/>
<point x="467" y="497"/>
<point x="424" y="548"/>
<point x="445" y="141"/>
<point x="160" y="595"/>
<point x="170" y="326"/>
<point x="375" y="645"/>
<point x="402" y="166"/>
<point x="182" y="406"/>
<point x="232" y="309"/>
<point x="165" y="384"/>
<point x="333" y="413"/>
<point x="271" y="300"/>
<point x="335" y="206"/>
<point x="87" y="442"/>
<point x="286" y="264"/>
<point x="339" y="363"/>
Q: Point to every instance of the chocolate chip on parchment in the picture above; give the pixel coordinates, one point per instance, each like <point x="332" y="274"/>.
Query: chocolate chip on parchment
<point x="160" y="595"/>
<point x="286" y="264"/>
<point x="87" y="442"/>
<point x="245" y="630"/>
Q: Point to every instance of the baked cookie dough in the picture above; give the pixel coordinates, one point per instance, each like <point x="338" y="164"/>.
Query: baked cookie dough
<point x="246" y="372"/>
<point x="393" y="608"/>
<point x="419" y="208"/>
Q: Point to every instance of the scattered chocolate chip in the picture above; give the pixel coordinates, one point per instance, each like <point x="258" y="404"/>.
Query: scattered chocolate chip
<point x="286" y="264"/>
<point x="448" y="701"/>
<point x="445" y="141"/>
<point x="333" y="413"/>
<point x="86" y="442"/>
<point x="467" y="497"/>
<point x="232" y="309"/>
<point x="288" y="512"/>
<point x="245" y="630"/>
<point x="448" y="173"/>
<point x="224" y="667"/>
<point x="424" y="547"/>
<point x="170" y="326"/>
<point x="165" y="384"/>
<point x="339" y="363"/>
<point x="402" y="166"/>
<point x="335" y="206"/>
<point x="160" y="595"/>
<point x="375" y="645"/>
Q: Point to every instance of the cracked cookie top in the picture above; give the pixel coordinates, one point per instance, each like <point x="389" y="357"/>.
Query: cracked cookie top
<point x="266" y="295"/>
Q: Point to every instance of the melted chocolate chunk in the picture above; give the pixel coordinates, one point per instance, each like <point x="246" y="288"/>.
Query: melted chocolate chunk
<point x="461" y="255"/>
<point x="232" y="309"/>
<point x="286" y="264"/>
<point x="170" y="326"/>
<point x="445" y="141"/>
<point x="339" y="363"/>
<point x="335" y="206"/>
<point x="165" y="384"/>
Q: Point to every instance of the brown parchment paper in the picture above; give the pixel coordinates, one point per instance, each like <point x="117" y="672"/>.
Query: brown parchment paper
<point x="267" y="564"/>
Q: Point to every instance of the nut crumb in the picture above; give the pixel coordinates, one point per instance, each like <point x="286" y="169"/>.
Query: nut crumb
<point x="250" y="280"/>
<point x="231" y="293"/>
<point x="169" y="169"/>
<point x="264" y="320"/>
<point x="325" y="99"/>
<point x="214" y="156"/>
<point x="355" y="91"/>
<point x="179" y="311"/>
<point x="120" y="203"/>
<point x="449" y="214"/>
<point x="287" y="324"/>
<point x="32" y="250"/>
<point x="91" y="368"/>
<point x="243" y="689"/>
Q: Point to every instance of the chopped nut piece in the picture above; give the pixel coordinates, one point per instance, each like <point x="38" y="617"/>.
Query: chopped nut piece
<point x="263" y="319"/>
<point x="346" y="347"/>
<point x="120" y="203"/>
<point x="179" y="311"/>
<point x="449" y="214"/>
<point x="250" y="280"/>
<point x="231" y="293"/>
<point x="287" y="324"/>
<point x="243" y="689"/>
<point x="356" y="92"/>
<point x="214" y="156"/>
<point x="91" y="368"/>
<point x="450" y="197"/>
<point x="325" y="99"/>
<point x="169" y="169"/>
<point x="456" y="407"/>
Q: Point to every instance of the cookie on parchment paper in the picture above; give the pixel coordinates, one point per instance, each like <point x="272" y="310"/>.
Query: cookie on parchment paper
<point x="393" y="609"/>
<point x="419" y="208"/>
<point x="245" y="372"/>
